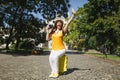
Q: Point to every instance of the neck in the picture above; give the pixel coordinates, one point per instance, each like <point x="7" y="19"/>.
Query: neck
<point x="57" y="31"/>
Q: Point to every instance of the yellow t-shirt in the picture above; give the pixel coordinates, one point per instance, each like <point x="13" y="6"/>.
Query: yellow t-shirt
<point x="57" y="41"/>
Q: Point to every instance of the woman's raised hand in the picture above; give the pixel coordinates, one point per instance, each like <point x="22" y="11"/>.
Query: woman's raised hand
<point x="73" y="11"/>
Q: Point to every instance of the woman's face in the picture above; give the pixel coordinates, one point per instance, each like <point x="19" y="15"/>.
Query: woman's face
<point x="59" y="25"/>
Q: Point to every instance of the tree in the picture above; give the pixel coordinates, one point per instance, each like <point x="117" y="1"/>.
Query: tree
<point x="18" y="15"/>
<point x="102" y="16"/>
<point x="98" y="23"/>
<point x="74" y="37"/>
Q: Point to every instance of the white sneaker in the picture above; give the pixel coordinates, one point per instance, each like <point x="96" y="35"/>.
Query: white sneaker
<point x="55" y="75"/>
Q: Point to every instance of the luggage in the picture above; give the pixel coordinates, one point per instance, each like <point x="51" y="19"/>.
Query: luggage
<point x="63" y="61"/>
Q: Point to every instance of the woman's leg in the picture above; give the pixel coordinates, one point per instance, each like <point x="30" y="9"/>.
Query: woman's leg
<point x="55" y="58"/>
<point x="51" y="60"/>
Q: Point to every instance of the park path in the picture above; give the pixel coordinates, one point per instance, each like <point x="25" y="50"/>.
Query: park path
<point x="36" y="67"/>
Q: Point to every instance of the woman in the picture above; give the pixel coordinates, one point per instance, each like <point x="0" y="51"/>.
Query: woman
<point x="58" y="48"/>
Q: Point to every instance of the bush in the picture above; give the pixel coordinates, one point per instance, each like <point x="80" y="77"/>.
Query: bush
<point x="118" y="51"/>
<point x="27" y="44"/>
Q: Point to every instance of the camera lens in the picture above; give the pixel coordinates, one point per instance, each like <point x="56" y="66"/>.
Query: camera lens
<point x="50" y="25"/>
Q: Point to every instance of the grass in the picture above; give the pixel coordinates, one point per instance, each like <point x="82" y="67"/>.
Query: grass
<point x="110" y="57"/>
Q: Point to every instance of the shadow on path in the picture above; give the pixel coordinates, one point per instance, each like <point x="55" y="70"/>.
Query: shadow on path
<point x="29" y="52"/>
<point x="70" y="70"/>
<point x="23" y="53"/>
<point x="74" y="52"/>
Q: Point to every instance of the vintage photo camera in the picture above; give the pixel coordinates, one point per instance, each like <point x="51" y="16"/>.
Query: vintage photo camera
<point x="50" y="25"/>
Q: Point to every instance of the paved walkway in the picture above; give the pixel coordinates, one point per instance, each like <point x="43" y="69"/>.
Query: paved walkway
<point x="36" y="67"/>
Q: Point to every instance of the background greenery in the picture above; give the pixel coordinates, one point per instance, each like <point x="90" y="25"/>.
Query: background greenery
<point x="22" y="25"/>
<point x="96" y="25"/>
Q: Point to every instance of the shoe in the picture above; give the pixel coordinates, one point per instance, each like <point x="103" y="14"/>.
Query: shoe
<point x="51" y="75"/>
<point x="55" y="75"/>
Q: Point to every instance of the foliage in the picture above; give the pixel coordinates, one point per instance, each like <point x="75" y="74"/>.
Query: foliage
<point x="74" y="37"/>
<point x="27" y="44"/>
<point x="18" y="14"/>
<point x="102" y="16"/>
<point x="49" y="8"/>
<point x="118" y="51"/>
<point x="98" y="23"/>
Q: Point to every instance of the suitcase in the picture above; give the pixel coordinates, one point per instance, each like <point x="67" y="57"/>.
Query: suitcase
<point x="63" y="61"/>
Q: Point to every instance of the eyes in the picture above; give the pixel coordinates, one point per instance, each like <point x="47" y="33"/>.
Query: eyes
<point x="58" y="25"/>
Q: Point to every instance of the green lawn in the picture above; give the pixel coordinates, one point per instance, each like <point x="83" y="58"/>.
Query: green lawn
<point x="111" y="57"/>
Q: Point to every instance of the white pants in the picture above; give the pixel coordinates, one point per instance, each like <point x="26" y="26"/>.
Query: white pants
<point x="53" y="59"/>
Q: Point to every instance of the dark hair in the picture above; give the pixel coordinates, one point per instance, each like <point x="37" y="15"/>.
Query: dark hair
<point x="55" y="26"/>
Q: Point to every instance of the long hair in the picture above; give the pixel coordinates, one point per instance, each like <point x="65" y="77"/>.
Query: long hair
<point x="55" y="26"/>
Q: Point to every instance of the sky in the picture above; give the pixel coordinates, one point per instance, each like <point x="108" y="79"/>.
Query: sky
<point x="75" y="4"/>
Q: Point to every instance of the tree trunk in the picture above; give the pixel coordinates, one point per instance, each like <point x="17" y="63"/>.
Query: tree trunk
<point x="7" y="45"/>
<point x="11" y="31"/>
<point x="17" y="43"/>
<point x="9" y="39"/>
<point x="19" y="30"/>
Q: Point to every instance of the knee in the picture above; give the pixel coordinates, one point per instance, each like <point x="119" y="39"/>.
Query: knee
<point x="55" y="58"/>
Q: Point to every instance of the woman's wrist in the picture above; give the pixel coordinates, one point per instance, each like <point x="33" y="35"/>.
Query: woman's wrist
<point x="47" y="32"/>
<point x="73" y="12"/>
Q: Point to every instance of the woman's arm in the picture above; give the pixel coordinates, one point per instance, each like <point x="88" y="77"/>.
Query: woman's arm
<point x="69" y="21"/>
<point x="48" y="36"/>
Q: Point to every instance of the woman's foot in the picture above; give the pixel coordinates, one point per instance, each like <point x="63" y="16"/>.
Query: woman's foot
<point x="51" y="75"/>
<point x="54" y="75"/>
